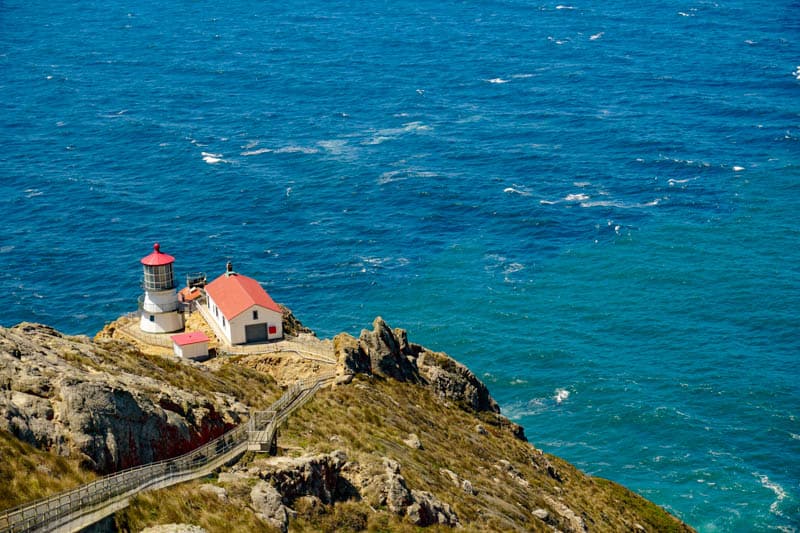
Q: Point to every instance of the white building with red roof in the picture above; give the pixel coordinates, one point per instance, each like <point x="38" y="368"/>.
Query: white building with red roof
<point x="191" y="345"/>
<point x="242" y="309"/>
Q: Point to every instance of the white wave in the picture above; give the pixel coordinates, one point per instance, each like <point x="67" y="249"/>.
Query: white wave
<point x="292" y="149"/>
<point x="547" y="202"/>
<point x="796" y="73"/>
<point x="564" y="7"/>
<point x="557" y="41"/>
<point x="518" y="381"/>
<point x="212" y="158"/>
<point x="561" y="395"/>
<point x="672" y="181"/>
<point x="620" y="205"/>
<point x="249" y="145"/>
<point x="378" y="139"/>
<point x="738" y="168"/>
<point x="257" y="152"/>
<point x="513" y="267"/>
<point x="31" y="193"/>
<point x="780" y="493"/>
<point x="581" y="184"/>
<point x="391" y="176"/>
<point x="497" y="80"/>
<point x="6" y="249"/>
<point x="512" y="190"/>
<point x="596" y="36"/>
<point x="580" y="197"/>
<point x="683" y="14"/>
<point x="521" y="76"/>
<point x="795" y="436"/>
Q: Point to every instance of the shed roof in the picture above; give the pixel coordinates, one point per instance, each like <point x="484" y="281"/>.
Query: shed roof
<point x="234" y="293"/>
<point x="190" y="337"/>
<point x="157" y="258"/>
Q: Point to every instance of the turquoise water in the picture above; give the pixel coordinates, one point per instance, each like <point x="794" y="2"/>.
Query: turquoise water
<point x="593" y="206"/>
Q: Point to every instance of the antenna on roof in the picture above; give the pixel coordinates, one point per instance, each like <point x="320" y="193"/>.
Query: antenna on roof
<point x="229" y="269"/>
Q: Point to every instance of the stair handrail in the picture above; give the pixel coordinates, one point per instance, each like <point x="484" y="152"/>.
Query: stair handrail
<point x="37" y="514"/>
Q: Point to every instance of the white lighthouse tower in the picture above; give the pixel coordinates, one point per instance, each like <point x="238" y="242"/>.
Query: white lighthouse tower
<point x="159" y="305"/>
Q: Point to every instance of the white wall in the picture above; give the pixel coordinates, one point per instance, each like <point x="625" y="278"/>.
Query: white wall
<point x="234" y="329"/>
<point x="198" y="349"/>
<point x="161" y="305"/>
<point x="239" y="322"/>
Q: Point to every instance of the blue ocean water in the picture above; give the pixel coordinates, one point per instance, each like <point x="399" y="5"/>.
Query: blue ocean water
<point x="593" y="206"/>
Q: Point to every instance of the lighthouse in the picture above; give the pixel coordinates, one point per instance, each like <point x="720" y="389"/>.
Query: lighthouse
<point x="159" y="306"/>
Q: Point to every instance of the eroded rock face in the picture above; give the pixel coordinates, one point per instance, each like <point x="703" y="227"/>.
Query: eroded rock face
<point x="110" y="420"/>
<point x="386" y="352"/>
<point x="268" y="505"/>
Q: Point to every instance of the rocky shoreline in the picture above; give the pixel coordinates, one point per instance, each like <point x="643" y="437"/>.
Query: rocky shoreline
<point x="406" y="438"/>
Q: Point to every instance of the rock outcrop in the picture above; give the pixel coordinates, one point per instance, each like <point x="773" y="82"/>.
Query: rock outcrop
<point x="386" y="352"/>
<point x="53" y="395"/>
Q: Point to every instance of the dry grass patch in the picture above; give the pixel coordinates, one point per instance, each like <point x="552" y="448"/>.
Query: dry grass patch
<point x="27" y="473"/>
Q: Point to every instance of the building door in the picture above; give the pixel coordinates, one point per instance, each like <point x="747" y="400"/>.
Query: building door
<point x="255" y="332"/>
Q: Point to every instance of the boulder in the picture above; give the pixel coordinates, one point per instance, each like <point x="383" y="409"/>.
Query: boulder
<point x="268" y="505"/>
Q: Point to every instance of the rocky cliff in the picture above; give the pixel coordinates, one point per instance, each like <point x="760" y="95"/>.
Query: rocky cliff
<point x="407" y="438"/>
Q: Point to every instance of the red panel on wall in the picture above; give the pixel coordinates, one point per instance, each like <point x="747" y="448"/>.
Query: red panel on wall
<point x="273" y="330"/>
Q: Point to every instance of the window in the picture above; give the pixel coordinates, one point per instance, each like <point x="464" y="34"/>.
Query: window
<point x="255" y="315"/>
<point x="223" y="320"/>
<point x="152" y="318"/>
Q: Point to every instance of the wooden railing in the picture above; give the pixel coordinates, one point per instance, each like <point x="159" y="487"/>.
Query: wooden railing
<point x="84" y="505"/>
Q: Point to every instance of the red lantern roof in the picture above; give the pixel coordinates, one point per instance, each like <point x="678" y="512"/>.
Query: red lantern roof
<point x="157" y="258"/>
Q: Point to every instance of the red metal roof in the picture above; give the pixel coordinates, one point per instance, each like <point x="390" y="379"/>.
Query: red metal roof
<point x="234" y="294"/>
<point x="190" y="337"/>
<point x="157" y="258"/>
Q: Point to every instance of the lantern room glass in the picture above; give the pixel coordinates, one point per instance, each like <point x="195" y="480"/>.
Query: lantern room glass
<point x="159" y="278"/>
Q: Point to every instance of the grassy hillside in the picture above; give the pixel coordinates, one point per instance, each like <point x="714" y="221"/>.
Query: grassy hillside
<point x="369" y="419"/>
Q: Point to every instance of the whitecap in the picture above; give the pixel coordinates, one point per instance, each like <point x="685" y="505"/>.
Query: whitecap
<point x="780" y="493"/>
<point x="512" y="190"/>
<point x="596" y="36"/>
<point x="211" y="158"/>
<point x="391" y="176"/>
<point x="257" y="152"/>
<point x="518" y="381"/>
<point x="738" y="168"/>
<point x="681" y="13"/>
<point x="561" y="395"/>
<point x="564" y="7"/>
<point x="497" y="80"/>
<point x="547" y="202"/>
<point x="580" y="197"/>
<point x="251" y="144"/>
<point x="6" y="249"/>
<point x="521" y="76"/>
<point x="672" y="181"/>
<point x="31" y="193"/>
<point x="378" y="139"/>
<point x="513" y="267"/>
<point x="291" y="149"/>
<point x="581" y="183"/>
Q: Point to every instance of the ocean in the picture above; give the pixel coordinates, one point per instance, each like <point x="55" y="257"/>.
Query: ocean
<point x="592" y="205"/>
